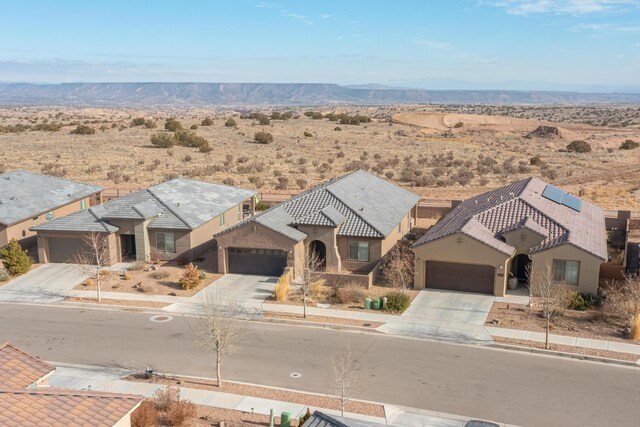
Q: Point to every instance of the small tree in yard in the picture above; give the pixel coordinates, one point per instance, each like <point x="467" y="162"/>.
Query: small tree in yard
<point x="623" y="298"/>
<point x="92" y="260"/>
<point x="553" y="297"/>
<point x="398" y="267"/>
<point x="191" y="277"/>
<point x="219" y="333"/>
<point x="345" y="374"/>
<point x="309" y="271"/>
<point x="15" y="259"/>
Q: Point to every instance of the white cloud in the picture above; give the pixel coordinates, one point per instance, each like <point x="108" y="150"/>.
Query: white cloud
<point x="432" y="44"/>
<point x="297" y="16"/>
<point x="326" y="16"/>
<point x="607" y="28"/>
<point x="572" y="7"/>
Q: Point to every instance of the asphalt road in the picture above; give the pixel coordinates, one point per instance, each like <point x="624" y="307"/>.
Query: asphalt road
<point x="506" y="386"/>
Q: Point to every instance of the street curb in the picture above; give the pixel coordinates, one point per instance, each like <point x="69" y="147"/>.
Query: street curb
<point x="564" y="354"/>
<point x="311" y="323"/>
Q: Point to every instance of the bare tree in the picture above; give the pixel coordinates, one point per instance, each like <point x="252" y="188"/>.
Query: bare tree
<point x="345" y="374"/>
<point x="623" y="298"/>
<point x="219" y="332"/>
<point x="92" y="260"/>
<point x="397" y="270"/>
<point x="553" y="296"/>
<point x="309" y="271"/>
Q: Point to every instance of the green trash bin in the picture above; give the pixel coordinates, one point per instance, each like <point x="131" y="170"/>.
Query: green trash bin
<point x="384" y="302"/>
<point x="367" y="303"/>
<point x="375" y="304"/>
<point x="285" y="419"/>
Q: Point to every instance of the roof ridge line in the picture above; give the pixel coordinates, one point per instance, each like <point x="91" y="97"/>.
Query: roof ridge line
<point x="18" y="349"/>
<point x="100" y="220"/>
<point x="168" y="208"/>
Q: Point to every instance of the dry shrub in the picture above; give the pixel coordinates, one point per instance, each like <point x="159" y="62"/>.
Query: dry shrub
<point x="318" y="290"/>
<point x="635" y="330"/>
<point x="282" y="287"/>
<point x="145" y="416"/>
<point x="164" y="397"/>
<point x="138" y="266"/>
<point x="147" y="289"/>
<point x="190" y="278"/>
<point x="160" y="275"/>
<point x="127" y="276"/>
<point x="351" y="293"/>
<point x="88" y="282"/>
<point x="179" y="412"/>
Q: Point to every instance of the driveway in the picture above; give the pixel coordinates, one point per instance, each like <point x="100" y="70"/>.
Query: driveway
<point x="247" y="291"/>
<point x="46" y="283"/>
<point x="447" y="315"/>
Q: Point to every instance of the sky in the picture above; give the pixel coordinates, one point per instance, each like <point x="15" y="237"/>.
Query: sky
<point x="588" y="45"/>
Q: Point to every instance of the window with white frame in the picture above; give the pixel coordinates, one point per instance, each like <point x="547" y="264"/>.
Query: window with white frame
<point x="166" y="242"/>
<point x="222" y="220"/>
<point x="566" y="271"/>
<point x="358" y="251"/>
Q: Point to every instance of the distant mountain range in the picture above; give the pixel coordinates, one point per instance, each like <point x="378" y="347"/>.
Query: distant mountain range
<point x="285" y="94"/>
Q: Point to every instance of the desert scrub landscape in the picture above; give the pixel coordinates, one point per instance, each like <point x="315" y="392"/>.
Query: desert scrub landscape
<point x="439" y="152"/>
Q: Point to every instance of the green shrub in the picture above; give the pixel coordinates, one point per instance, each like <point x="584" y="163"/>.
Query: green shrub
<point x="189" y="139"/>
<point x="172" y="125"/>
<point x="15" y="258"/>
<point x="83" y="130"/>
<point x="150" y="124"/>
<point x="535" y="161"/>
<point x="316" y="115"/>
<point x="582" y="302"/>
<point x="163" y="140"/>
<point x="263" y="137"/>
<point x="629" y="144"/>
<point x="207" y="121"/>
<point x="261" y="207"/>
<point x="337" y="128"/>
<point x="579" y="146"/>
<point x="193" y="127"/>
<point x="4" y="275"/>
<point x="397" y="302"/>
<point x="230" y="123"/>
<point x="458" y="125"/>
<point x="308" y="134"/>
<point x="138" y="121"/>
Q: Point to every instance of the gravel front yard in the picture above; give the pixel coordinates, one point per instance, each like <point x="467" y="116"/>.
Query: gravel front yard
<point x="569" y="349"/>
<point x="314" y="400"/>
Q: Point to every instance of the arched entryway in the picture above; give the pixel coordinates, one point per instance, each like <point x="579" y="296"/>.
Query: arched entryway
<point x="318" y="251"/>
<point x="520" y="266"/>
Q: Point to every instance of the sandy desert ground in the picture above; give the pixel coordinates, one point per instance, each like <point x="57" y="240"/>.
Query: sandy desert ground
<point x="433" y="152"/>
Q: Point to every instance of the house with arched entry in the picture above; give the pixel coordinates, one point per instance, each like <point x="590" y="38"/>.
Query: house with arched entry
<point x="348" y="223"/>
<point x="518" y="231"/>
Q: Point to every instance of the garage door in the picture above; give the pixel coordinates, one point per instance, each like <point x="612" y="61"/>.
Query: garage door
<point x="64" y="249"/>
<point x="460" y="277"/>
<point x="266" y="262"/>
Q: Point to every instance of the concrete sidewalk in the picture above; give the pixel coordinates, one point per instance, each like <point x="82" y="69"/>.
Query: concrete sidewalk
<point x="109" y="380"/>
<point x="619" y="347"/>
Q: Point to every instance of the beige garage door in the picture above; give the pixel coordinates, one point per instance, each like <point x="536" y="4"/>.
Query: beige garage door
<point x="64" y="249"/>
<point x="459" y="277"/>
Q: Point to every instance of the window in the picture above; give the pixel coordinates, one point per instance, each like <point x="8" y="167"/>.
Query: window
<point x="165" y="242"/>
<point x="221" y="220"/>
<point x="566" y="271"/>
<point x="239" y="212"/>
<point x="359" y="251"/>
<point x="83" y="204"/>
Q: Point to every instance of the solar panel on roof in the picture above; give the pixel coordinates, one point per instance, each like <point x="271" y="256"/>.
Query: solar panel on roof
<point x="572" y="202"/>
<point x="553" y="193"/>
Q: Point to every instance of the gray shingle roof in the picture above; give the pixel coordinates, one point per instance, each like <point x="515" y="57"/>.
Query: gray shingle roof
<point x="84" y="221"/>
<point x="181" y="204"/>
<point x="360" y="204"/>
<point x="488" y="216"/>
<point x="24" y="195"/>
<point x="319" y="419"/>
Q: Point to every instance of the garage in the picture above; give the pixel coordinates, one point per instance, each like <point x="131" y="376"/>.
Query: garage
<point x="460" y="277"/>
<point x="265" y="262"/>
<point x="63" y="249"/>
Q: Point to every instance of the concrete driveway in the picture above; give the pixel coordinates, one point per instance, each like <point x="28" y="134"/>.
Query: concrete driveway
<point x="247" y="291"/>
<point x="447" y="315"/>
<point x="46" y="283"/>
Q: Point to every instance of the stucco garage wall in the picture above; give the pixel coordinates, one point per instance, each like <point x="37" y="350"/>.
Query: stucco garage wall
<point x="43" y="244"/>
<point x="253" y="235"/>
<point x="459" y="248"/>
<point x="589" y="265"/>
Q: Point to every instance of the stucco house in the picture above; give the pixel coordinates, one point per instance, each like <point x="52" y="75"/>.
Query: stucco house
<point x="173" y="219"/>
<point x="350" y="223"/>
<point x="28" y="199"/>
<point x="527" y="225"/>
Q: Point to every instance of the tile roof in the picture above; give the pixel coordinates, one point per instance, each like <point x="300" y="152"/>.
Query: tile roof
<point x="360" y="204"/>
<point x="19" y="369"/>
<point x="490" y="215"/>
<point x="83" y="221"/>
<point x="319" y="419"/>
<point x="181" y="204"/>
<point x="64" y="408"/>
<point x="24" y="195"/>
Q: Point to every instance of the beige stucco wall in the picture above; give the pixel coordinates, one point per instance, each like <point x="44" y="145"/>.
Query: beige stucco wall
<point x="375" y="253"/>
<point x="523" y="240"/>
<point x="463" y="249"/>
<point x="182" y="243"/>
<point x="589" y="266"/>
<point x="253" y="235"/>
<point x="43" y="244"/>
<point x="328" y="236"/>
<point x="16" y="231"/>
